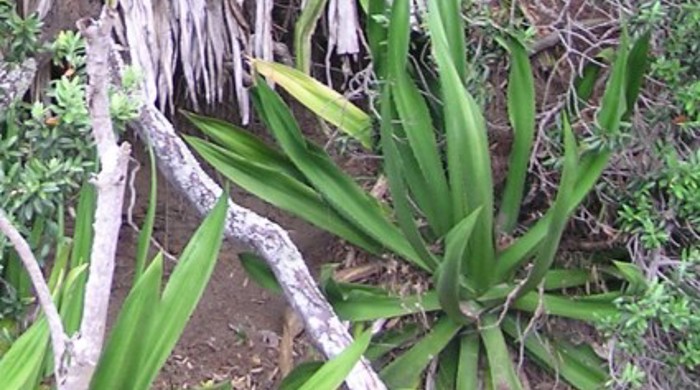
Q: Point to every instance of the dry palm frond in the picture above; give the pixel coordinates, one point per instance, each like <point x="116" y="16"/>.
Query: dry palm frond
<point x="198" y="37"/>
<point x="343" y="26"/>
<point x="207" y="41"/>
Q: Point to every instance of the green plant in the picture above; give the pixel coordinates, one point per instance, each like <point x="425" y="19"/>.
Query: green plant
<point x="19" y="37"/>
<point x="657" y="330"/>
<point x="69" y="50"/>
<point x="664" y="206"/>
<point x="441" y="218"/>
<point x="677" y="66"/>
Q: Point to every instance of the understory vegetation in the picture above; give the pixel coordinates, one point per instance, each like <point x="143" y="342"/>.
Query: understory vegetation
<point x="535" y="202"/>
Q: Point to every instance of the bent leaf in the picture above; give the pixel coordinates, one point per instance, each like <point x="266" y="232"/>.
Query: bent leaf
<point x="338" y="188"/>
<point x="258" y="270"/>
<point x="450" y="271"/>
<point x="521" y="113"/>
<point x="323" y="101"/>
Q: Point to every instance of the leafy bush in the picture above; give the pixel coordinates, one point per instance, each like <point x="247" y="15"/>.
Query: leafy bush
<point x="46" y="152"/>
<point x="19" y="37"/>
<point x="655" y="337"/>
<point x="678" y="63"/>
<point x="657" y="331"/>
<point x="440" y="217"/>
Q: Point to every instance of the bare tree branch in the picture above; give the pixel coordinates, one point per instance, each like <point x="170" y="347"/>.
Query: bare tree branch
<point x="110" y="184"/>
<point x="58" y="335"/>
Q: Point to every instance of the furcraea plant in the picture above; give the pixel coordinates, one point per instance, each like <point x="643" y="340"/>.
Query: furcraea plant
<point x="441" y="197"/>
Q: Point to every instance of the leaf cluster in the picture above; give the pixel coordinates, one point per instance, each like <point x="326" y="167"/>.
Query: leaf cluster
<point x="19" y="37"/>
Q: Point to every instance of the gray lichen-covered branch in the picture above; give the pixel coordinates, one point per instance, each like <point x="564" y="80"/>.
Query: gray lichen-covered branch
<point x="15" y="80"/>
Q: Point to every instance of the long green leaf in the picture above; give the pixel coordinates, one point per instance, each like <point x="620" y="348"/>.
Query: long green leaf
<point x="503" y="375"/>
<point x="554" y="279"/>
<point x="377" y="307"/>
<point x="71" y="309"/>
<point x="450" y="271"/>
<point x="323" y="101"/>
<point x="58" y="270"/>
<point x="559" y="216"/>
<point x="243" y="144"/>
<point x="468" y="370"/>
<point x="521" y="112"/>
<point x="184" y="289"/>
<point x="20" y="366"/>
<point x="468" y="161"/>
<point x="613" y="107"/>
<point x="377" y="35"/>
<point x="283" y="191"/>
<point x="397" y="172"/>
<point x="448" y="362"/>
<point x="144" y="240"/>
<point x="334" y="372"/>
<point x="303" y="30"/>
<point x="562" y="306"/>
<point x="637" y="65"/>
<point x="122" y="358"/>
<point x="614" y="103"/>
<point x="453" y="26"/>
<point x="337" y="187"/>
<point x="414" y="118"/>
<point x="406" y="370"/>
<point x="557" y="279"/>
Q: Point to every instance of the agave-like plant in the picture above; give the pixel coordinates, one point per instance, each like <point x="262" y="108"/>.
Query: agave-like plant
<point x="481" y="290"/>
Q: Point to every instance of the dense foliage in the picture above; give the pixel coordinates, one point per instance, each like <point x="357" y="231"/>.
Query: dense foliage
<point x="439" y="218"/>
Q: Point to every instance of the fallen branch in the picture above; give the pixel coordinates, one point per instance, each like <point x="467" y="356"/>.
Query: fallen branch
<point x="58" y="334"/>
<point x="268" y="239"/>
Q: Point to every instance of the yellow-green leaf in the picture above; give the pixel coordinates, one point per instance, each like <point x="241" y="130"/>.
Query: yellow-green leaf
<point x="322" y="100"/>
